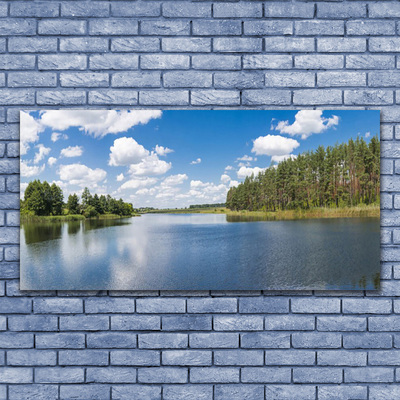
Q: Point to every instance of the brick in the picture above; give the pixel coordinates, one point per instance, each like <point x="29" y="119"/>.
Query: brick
<point x="57" y="306"/>
<point x="60" y="340"/>
<point x="216" y="62"/>
<point x="381" y="45"/>
<point x="242" y="323"/>
<point x="367" y="341"/>
<point x="98" y="392"/>
<point x="321" y="340"/>
<point x="122" y="9"/>
<point x="163" y="340"/>
<point x="382" y="10"/>
<point x="318" y="27"/>
<point x="107" y="305"/>
<point x="291" y="392"/>
<point x="135" y="44"/>
<point x="238" y="10"/>
<point x="31" y="357"/>
<point x="130" y="392"/>
<point x="162" y="375"/>
<point x="135" y="357"/>
<point x="238" y="357"/>
<point x="32" y="391"/>
<point x="342" y="78"/>
<point x="341" y="45"/>
<point x="214" y="375"/>
<point x="342" y="358"/>
<point x="381" y="392"/>
<point x="187" y="323"/>
<point x="212" y="305"/>
<point x="369" y="97"/>
<point x="113" y="27"/>
<point x="179" y="9"/>
<point x="179" y="392"/>
<point x="342" y="392"/>
<point x="84" y="44"/>
<point x="32" y="323"/>
<point x="289" y="323"/>
<point x="193" y="45"/>
<point x="239" y="392"/>
<point x="263" y="305"/>
<point x="111" y="340"/>
<point x="164" y="28"/>
<point x="386" y="323"/>
<point x="189" y="79"/>
<point x="84" y="323"/>
<point x="65" y="97"/>
<point x="164" y="61"/>
<point x="214" y="340"/>
<point x="384" y="357"/>
<point x="136" y="79"/>
<point x="268" y="27"/>
<point x="370" y="28"/>
<point x="289" y="44"/>
<point x="368" y="374"/>
<point x="237" y="45"/>
<point x="288" y="10"/>
<point x="109" y="96"/>
<point x="216" y="27"/>
<point x="32" y="79"/>
<point x="82" y="79"/>
<point x="272" y="97"/>
<point x="289" y="79"/>
<point x="110" y="375"/>
<point x="317" y="375"/>
<point x="186" y="357"/>
<point x="59" y="375"/>
<point x="32" y="45"/>
<point x="113" y="61"/>
<point x="324" y="306"/>
<point x="61" y="27"/>
<point x="16" y="375"/>
<point x="370" y="61"/>
<point x="384" y="78"/>
<point x="15" y="306"/>
<point x="341" y="323"/>
<point x="339" y="11"/>
<point x="319" y="61"/>
<point x="176" y="97"/>
<point x="17" y="61"/>
<point x="135" y="322"/>
<point x="366" y="306"/>
<point x="266" y="375"/>
<point x="214" y="97"/>
<point x="16" y="340"/>
<point x="290" y="357"/>
<point x="36" y="9"/>
<point x="83" y="357"/>
<point x="85" y="9"/>
<point x="19" y="26"/>
<point x="61" y="61"/>
<point x="261" y="340"/>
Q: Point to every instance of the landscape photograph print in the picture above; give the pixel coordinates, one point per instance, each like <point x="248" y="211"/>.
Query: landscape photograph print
<point x="200" y="200"/>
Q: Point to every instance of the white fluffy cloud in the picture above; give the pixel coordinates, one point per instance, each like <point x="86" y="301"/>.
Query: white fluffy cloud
<point x="228" y="168"/>
<point x="274" y="145"/>
<point x="72" y="151"/>
<point x="51" y="161"/>
<point x="29" y="131"/>
<point x="150" y="165"/>
<point x="97" y="123"/>
<point x="120" y="177"/>
<point x="233" y="183"/>
<point x="367" y="134"/>
<point x="306" y="123"/>
<point x="196" y="161"/>
<point x="57" y="135"/>
<point x="174" y="180"/>
<point x="162" y="151"/>
<point x="81" y="175"/>
<point x="246" y="158"/>
<point x="125" y="151"/>
<point x="27" y="171"/>
<point x="225" y="178"/>
<point x="41" y="153"/>
<point x="279" y="159"/>
<point x="247" y="171"/>
<point x="138" y="183"/>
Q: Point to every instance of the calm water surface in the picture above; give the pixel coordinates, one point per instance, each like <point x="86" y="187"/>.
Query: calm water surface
<point x="200" y="251"/>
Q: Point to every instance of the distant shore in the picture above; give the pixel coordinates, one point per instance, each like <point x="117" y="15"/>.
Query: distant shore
<point x="320" y="212"/>
<point x="72" y="217"/>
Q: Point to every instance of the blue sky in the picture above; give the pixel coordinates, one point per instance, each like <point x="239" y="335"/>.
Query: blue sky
<point x="173" y="158"/>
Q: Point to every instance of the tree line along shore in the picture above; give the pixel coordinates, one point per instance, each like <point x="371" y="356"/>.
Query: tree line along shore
<point x="43" y="201"/>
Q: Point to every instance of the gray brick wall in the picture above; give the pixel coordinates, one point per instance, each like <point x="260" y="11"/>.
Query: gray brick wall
<point x="199" y="345"/>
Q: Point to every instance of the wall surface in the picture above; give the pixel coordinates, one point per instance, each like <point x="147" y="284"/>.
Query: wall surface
<point x="199" y="345"/>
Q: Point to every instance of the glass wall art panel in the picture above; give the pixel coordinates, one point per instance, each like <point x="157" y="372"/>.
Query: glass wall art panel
<point x="200" y="200"/>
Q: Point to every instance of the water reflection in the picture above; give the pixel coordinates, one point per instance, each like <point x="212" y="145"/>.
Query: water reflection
<point x="201" y="252"/>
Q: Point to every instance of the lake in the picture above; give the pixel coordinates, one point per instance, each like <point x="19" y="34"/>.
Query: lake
<point x="200" y="252"/>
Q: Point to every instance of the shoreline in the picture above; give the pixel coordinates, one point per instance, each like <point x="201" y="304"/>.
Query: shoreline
<point x="372" y="211"/>
<point x="70" y="218"/>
